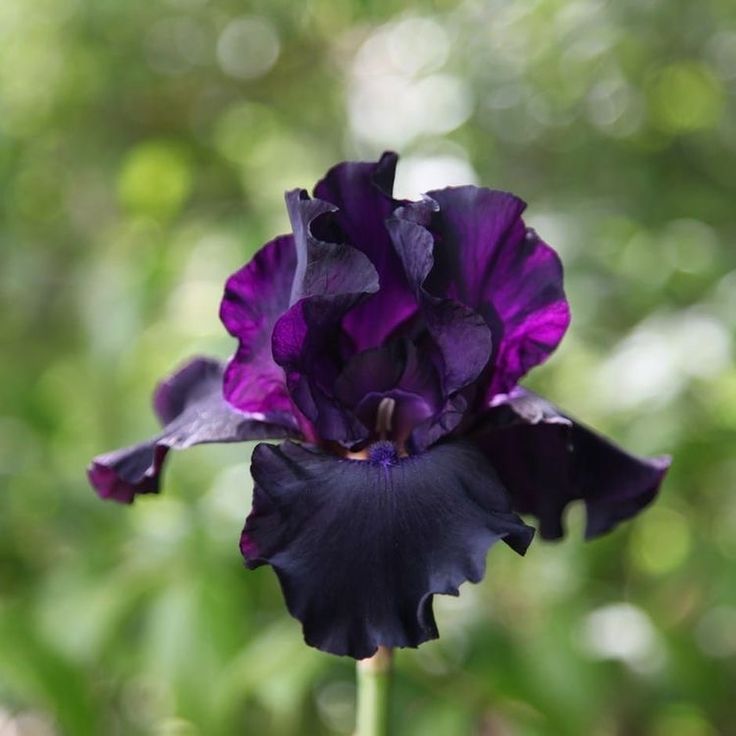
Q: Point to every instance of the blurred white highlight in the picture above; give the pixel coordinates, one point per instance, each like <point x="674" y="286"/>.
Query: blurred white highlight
<point x="661" y="356"/>
<point x="418" y="174"/>
<point x="248" y="47"/>
<point x="25" y="723"/>
<point x="623" y="632"/>
<point x="396" y="94"/>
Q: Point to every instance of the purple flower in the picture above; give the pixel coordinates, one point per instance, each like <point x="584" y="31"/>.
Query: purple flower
<point x="384" y="340"/>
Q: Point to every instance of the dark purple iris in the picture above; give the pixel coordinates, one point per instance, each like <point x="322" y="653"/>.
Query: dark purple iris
<point x="384" y="340"/>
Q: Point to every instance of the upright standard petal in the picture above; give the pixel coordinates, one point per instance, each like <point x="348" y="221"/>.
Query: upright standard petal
<point x="487" y="259"/>
<point x="308" y="342"/>
<point x="326" y="265"/>
<point x="362" y="194"/>
<point x="255" y="297"/>
<point x="547" y="460"/>
<point x="360" y="547"/>
<point x="191" y="405"/>
<point x="460" y="333"/>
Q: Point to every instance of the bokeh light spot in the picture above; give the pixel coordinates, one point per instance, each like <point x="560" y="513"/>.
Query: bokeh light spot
<point x="248" y="47"/>
<point x="418" y="174"/>
<point x="624" y="632"/>
<point x="716" y="632"/>
<point x="175" y="45"/>
<point x="661" y="541"/>
<point x="684" y="97"/>
<point x="682" y="720"/>
<point x="155" y="179"/>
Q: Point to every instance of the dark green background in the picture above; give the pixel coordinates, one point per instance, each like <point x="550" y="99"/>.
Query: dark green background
<point x="144" y="149"/>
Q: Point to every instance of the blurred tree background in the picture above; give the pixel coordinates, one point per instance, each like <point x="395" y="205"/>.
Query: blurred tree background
<point x="144" y="150"/>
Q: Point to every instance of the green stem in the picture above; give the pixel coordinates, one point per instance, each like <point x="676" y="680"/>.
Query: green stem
<point x="374" y="686"/>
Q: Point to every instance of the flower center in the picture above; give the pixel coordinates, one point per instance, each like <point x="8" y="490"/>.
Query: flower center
<point x="384" y="417"/>
<point x="383" y="453"/>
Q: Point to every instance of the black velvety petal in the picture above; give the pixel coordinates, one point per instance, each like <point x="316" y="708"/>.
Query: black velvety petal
<point x="360" y="547"/>
<point x="191" y="405"/>
<point x="547" y="460"/>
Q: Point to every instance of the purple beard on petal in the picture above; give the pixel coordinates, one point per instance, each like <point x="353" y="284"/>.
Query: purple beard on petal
<point x="385" y="340"/>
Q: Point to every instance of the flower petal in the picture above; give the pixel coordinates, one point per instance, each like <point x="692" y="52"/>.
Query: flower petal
<point x="360" y="548"/>
<point x="362" y="193"/>
<point x="191" y="404"/>
<point x="460" y="333"/>
<point x="255" y="297"/>
<point x="547" y="460"/>
<point x="487" y="259"/>
<point x="326" y="266"/>
<point x="307" y="340"/>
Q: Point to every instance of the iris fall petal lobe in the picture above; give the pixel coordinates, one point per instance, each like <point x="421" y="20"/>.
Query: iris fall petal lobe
<point x="547" y="460"/>
<point x="191" y="404"/>
<point x="360" y="547"/>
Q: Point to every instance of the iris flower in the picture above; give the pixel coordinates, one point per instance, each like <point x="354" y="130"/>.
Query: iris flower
<point x="383" y="342"/>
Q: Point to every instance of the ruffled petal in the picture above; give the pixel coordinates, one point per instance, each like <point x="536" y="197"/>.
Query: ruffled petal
<point x="547" y="460"/>
<point x="326" y="265"/>
<point x="361" y="191"/>
<point x="307" y="340"/>
<point x="486" y="258"/>
<point x="360" y="547"/>
<point x="191" y="405"/>
<point x="255" y="297"/>
<point x="461" y="334"/>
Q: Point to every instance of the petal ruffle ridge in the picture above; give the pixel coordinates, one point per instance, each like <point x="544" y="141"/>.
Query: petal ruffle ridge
<point x="461" y="334"/>
<point x="547" y="460"/>
<point x="308" y="342"/>
<point x="191" y="405"/>
<point x="360" y="547"/>
<point x="489" y="260"/>
<point x="362" y="194"/>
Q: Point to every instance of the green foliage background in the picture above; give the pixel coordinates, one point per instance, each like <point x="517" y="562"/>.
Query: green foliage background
<point x="144" y="149"/>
